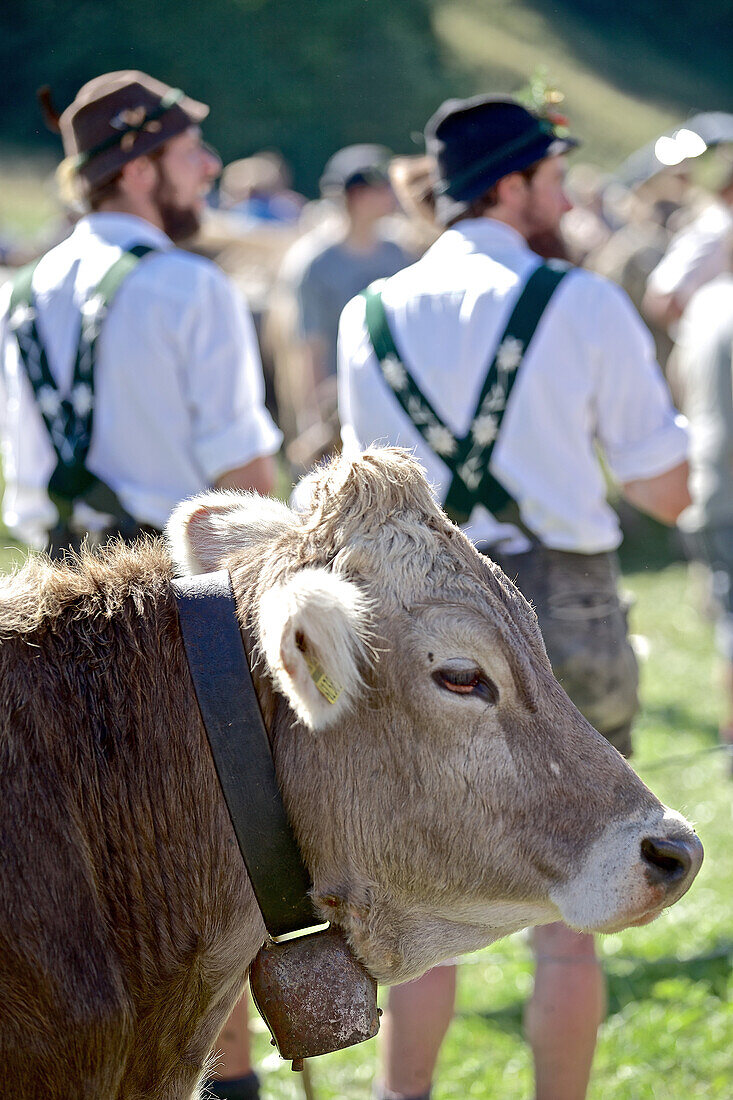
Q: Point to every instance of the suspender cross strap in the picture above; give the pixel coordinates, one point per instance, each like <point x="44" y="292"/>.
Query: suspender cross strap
<point x="468" y="458"/>
<point x="69" y="419"/>
<point x="241" y="750"/>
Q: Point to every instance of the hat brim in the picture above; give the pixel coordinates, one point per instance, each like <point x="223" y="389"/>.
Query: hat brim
<point x="448" y="208"/>
<point x="355" y="166"/>
<point x="196" y="111"/>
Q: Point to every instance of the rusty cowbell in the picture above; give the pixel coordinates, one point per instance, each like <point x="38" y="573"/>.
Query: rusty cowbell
<point x="314" y="996"/>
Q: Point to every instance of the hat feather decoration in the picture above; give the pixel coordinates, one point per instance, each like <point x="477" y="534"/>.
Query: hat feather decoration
<point x="50" y="115"/>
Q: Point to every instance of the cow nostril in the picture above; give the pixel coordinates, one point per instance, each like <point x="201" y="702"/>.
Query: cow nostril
<point x="667" y="861"/>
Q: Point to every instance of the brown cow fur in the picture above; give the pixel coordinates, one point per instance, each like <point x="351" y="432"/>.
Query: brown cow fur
<point x="122" y="896"/>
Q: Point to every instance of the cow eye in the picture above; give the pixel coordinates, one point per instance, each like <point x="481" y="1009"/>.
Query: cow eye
<point x="467" y="681"/>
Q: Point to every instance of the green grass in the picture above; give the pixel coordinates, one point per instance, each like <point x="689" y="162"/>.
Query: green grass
<point x="27" y="194"/>
<point x="669" y="1030"/>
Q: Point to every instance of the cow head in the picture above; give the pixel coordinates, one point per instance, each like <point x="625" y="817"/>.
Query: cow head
<point x="443" y="788"/>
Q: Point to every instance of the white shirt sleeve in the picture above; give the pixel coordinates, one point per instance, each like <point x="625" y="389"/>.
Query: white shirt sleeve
<point x="230" y="423"/>
<point x="641" y="432"/>
<point x="5" y="292"/>
<point x="344" y="357"/>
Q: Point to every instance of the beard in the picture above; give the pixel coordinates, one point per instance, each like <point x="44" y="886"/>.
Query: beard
<point x="543" y="235"/>
<point x="179" y="222"/>
<point x="549" y="244"/>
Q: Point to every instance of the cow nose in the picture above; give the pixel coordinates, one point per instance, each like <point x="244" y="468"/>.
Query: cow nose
<point x="671" y="862"/>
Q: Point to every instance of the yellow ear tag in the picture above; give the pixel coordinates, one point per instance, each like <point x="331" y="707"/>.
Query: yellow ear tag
<point x="328" y="689"/>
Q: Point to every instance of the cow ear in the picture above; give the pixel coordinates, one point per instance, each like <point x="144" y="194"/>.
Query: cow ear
<point x="314" y="633"/>
<point x="204" y="531"/>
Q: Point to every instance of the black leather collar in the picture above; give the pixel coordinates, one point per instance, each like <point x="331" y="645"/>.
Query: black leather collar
<point x="241" y="750"/>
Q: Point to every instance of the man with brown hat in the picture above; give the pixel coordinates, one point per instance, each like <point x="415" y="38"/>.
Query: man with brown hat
<point x="503" y="373"/>
<point x="129" y="369"/>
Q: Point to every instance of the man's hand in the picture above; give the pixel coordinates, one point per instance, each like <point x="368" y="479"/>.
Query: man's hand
<point x="663" y="309"/>
<point x="258" y="476"/>
<point x="663" y="496"/>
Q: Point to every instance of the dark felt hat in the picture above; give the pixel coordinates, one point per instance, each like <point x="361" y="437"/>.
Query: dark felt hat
<point x="119" y="116"/>
<point x="355" y="166"/>
<point x="477" y="141"/>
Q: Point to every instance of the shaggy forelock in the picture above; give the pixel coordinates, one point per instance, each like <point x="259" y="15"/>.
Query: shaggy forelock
<point x="373" y="518"/>
<point x="362" y="493"/>
<point x="374" y="514"/>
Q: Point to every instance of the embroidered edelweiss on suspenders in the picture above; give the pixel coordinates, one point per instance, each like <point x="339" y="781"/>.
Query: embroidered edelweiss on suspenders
<point x="69" y="418"/>
<point x="468" y="458"/>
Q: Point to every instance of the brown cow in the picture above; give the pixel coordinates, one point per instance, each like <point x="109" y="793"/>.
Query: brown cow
<point x="450" y="795"/>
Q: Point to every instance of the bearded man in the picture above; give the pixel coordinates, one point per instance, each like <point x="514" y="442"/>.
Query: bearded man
<point x="505" y="374"/>
<point x="130" y="375"/>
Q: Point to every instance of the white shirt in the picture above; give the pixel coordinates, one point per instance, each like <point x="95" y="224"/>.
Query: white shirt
<point x="178" y="379"/>
<point x="698" y="253"/>
<point x="705" y="370"/>
<point x="589" y="376"/>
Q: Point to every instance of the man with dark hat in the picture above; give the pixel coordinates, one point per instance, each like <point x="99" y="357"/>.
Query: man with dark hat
<point x="503" y="373"/>
<point x="129" y="369"/>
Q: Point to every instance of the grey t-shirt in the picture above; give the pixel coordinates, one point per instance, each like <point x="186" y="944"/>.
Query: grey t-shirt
<point x="705" y="348"/>
<point x="333" y="278"/>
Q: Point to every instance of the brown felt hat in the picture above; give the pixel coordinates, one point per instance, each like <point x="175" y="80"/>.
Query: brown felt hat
<point x="119" y="116"/>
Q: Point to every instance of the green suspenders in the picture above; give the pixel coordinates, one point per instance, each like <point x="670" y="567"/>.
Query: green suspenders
<point x="69" y="419"/>
<point x="468" y="458"/>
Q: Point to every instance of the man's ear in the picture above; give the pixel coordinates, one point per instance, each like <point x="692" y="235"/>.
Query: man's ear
<point x="204" y="531"/>
<point x="314" y="633"/>
<point x="510" y="190"/>
<point x="138" y="177"/>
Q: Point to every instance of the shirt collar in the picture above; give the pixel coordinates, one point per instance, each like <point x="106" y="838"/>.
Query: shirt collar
<point x="482" y="235"/>
<point x="121" y="229"/>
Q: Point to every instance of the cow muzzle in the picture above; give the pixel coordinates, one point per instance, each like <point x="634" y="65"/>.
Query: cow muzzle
<point x="631" y="873"/>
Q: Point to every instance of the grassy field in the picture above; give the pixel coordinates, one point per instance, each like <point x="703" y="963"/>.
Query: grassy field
<point x="669" y="1030"/>
<point x="27" y="194"/>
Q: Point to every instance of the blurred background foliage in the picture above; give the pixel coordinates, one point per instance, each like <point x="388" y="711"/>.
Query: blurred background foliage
<point x="308" y="76"/>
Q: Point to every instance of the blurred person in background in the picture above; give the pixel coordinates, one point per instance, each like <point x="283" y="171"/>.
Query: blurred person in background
<point x="644" y="217"/>
<point x="412" y="179"/>
<point x="428" y="360"/>
<point x="696" y="254"/>
<point x="585" y="226"/>
<point x="356" y="181"/>
<point x="247" y="232"/>
<point x="704" y="386"/>
<point x="258" y="189"/>
<point x="129" y="372"/>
